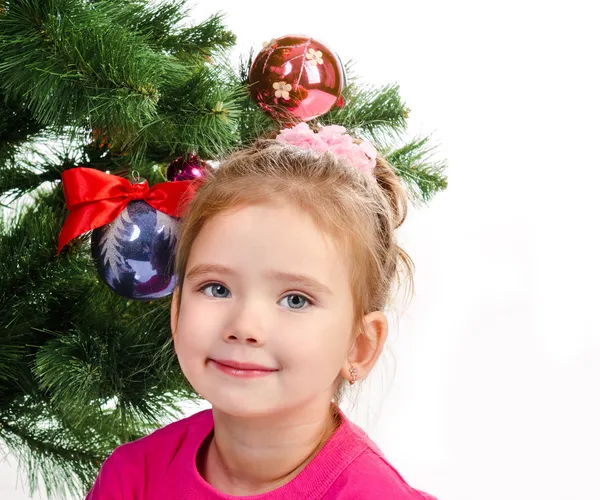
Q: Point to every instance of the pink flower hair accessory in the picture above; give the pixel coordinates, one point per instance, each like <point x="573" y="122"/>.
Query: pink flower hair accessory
<point x="331" y="138"/>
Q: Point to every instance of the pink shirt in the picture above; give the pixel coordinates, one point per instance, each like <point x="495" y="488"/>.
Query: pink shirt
<point x="162" y="466"/>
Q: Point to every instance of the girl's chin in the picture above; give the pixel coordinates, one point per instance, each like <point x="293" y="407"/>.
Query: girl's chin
<point x="240" y="409"/>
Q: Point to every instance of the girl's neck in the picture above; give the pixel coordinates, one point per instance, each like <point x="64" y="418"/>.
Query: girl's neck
<point x="252" y="456"/>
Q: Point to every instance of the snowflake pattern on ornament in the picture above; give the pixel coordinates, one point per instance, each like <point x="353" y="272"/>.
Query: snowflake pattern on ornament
<point x="272" y="43"/>
<point x="111" y="241"/>
<point x="314" y="57"/>
<point x="309" y="56"/>
<point x="282" y="89"/>
<point x="167" y="226"/>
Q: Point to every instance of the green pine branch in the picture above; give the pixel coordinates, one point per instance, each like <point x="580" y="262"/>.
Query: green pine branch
<point x="100" y="369"/>
<point x="74" y="64"/>
<point x="424" y="178"/>
<point x="51" y="455"/>
<point x="30" y="169"/>
<point x="17" y="125"/>
<point x="161" y="26"/>
<point x="203" y="39"/>
<point x="70" y="64"/>
<point x="198" y="113"/>
<point x="377" y="113"/>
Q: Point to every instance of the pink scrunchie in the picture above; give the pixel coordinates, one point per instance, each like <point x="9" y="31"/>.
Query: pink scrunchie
<point x="331" y="138"/>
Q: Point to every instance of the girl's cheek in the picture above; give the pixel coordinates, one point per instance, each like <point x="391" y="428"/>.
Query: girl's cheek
<point x="187" y="341"/>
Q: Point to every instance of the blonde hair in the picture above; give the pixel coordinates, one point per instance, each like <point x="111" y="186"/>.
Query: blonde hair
<point x="360" y="211"/>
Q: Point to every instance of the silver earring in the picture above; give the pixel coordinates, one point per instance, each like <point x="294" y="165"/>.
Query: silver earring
<point x="354" y="373"/>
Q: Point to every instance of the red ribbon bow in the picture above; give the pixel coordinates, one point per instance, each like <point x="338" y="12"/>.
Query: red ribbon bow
<point x="95" y="199"/>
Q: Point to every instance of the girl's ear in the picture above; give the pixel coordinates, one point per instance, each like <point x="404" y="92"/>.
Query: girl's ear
<point x="368" y="345"/>
<point x="175" y="312"/>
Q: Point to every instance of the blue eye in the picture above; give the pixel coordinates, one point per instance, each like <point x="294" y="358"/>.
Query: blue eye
<point x="295" y="301"/>
<point x="216" y="290"/>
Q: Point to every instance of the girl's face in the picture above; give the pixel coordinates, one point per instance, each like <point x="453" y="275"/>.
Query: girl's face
<point x="263" y="285"/>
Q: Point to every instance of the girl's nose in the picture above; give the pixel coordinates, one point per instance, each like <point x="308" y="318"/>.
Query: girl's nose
<point x="246" y="326"/>
<point x="240" y="337"/>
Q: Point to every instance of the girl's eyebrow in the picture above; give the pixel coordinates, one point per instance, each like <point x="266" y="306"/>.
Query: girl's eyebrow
<point x="200" y="270"/>
<point x="301" y="279"/>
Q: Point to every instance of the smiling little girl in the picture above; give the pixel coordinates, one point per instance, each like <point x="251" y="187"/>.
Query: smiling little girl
<point x="286" y="260"/>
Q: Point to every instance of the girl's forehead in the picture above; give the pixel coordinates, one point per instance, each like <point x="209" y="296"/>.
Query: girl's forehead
<point x="273" y="236"/>
<point x="265" y="224"/>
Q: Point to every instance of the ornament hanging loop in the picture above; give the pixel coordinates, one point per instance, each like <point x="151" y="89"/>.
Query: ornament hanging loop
<point x="136" y="179"/>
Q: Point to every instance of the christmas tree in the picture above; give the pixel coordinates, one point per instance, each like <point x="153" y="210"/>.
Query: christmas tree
<point x="118" y="86"/>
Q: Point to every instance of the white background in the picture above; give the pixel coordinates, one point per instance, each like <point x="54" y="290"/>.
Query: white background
<point x="495" y="393"/>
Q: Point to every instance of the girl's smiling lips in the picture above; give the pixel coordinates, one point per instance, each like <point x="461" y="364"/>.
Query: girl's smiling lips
<point x="238" y="369"/>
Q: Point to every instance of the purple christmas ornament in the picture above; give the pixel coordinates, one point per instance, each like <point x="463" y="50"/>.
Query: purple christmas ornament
<point x="135" y="253"/>
<point x="187" y="168"/>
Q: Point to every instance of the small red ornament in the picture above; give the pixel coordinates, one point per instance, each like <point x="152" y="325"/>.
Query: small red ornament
<point x="187" y="168"/>
<point x="296" y="78"/>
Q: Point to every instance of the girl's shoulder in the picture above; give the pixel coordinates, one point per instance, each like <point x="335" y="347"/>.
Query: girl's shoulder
<point x="126" y="471"/>
<point x="370" y="475"/>
<point x="169" y="437"/>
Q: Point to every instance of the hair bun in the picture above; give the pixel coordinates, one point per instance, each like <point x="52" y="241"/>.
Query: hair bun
<point x="393" y="189"/>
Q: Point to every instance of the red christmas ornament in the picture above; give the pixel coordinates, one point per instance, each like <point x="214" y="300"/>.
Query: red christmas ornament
<point x="296" y="78"/>
<point x="187" y="168"/>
